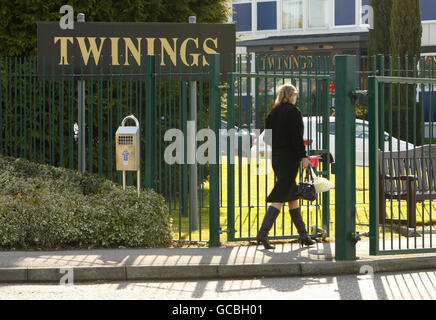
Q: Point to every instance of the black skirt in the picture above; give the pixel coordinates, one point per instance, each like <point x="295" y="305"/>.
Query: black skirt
<point x="285" y="166"/>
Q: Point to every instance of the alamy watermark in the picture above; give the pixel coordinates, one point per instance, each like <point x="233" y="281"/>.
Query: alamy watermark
<point x="367" y="271"/>
<point x="368" y="15"/>
<point x="68" y="276"/>
<point x="230" y="143"/>
<point x="67" y="20"/>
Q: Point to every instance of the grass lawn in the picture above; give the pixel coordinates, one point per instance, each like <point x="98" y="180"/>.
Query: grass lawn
<point x="251" y="191"/>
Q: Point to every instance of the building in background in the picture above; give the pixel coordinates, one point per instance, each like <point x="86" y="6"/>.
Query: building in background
<point x="313" y="27"/>
<point x="288" y="35"/>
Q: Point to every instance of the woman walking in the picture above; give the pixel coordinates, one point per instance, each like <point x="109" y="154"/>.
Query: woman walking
<point x="288" y="150"/>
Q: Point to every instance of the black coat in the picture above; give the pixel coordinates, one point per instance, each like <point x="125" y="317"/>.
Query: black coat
<point x="288" y="149"/>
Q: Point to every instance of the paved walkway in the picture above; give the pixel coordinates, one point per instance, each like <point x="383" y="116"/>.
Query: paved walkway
<point x="230" y="261"/>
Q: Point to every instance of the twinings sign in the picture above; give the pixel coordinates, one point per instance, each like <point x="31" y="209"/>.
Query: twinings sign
<point x="292" y="63"/>
<point x="95" y="48"/>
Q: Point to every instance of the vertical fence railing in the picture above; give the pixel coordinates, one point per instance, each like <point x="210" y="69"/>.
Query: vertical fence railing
<point x="167" y="112"/>
<point x="398" y="127"/>
<point x="402" y="172"/>
<point x="252" y="90"/>
<point x="39" y="122"/>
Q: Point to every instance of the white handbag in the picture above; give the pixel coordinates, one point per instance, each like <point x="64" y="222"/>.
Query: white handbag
<point x="321" y="184"/>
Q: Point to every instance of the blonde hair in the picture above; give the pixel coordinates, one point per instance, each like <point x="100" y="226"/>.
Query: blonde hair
<point x="285" y="95"/>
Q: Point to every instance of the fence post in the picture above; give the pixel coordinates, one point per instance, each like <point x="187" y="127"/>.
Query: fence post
<point x="81" y="117"/>
<point x="345" y="141"/>
<point x="214" y="120"/>
<point x="374" y="114"/>
<point x="149" y="121"/>
<point x="193" y="201"/>
<point x="230" y="160"/>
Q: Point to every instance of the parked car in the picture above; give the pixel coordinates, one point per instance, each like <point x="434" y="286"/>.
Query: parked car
<point x="313" y="131"/>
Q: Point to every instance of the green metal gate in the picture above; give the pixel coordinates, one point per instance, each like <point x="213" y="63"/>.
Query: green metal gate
<point x="402" y="173"/>
<point x="247" y="179"/>
<point x="402" y="176"/>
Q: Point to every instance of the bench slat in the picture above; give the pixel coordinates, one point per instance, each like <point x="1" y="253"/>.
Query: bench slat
<point x="403" y="163"/>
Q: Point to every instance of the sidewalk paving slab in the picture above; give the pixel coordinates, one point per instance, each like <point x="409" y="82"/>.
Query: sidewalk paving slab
<point x="191" y="263"/>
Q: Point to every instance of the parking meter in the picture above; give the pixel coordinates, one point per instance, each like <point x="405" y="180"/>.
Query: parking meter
<point x="127" y="149"/>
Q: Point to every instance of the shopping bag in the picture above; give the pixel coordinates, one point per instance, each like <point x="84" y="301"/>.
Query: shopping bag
<point x="321" y="184"/>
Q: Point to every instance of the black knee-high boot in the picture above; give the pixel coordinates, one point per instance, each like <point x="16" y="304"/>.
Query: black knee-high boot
<point x="297" y="219"/>
<point x="267" y="223"/>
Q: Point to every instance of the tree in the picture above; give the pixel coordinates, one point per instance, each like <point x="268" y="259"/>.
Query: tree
<point x="18" y="38"/>
<point x="18" y="19"/>
<point x="405" y="44"/>
<point x="406" y="31"/>
<point x="397" y="32"/>
<point x="379" y="37"/>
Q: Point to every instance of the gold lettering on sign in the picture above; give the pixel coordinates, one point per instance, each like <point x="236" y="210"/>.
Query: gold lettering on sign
<point x="92" y="49"/>
<point x="150" y="45"/>
<point x="286" y="63"/>
<point x="114" y="51"/>
<point x="304" y="62"/>
<point x="172" y="52"/>
<point x="208" y="50"/>
<point x="136" y="51"/>
<point x="189" y="49"/>
<point x="296" y="62"/>
<point x="64" y="48"/>
<point x="193" y="55"/>
<point x="270" y="63"/>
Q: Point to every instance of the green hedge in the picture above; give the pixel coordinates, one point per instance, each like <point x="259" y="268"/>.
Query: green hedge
<point x="49" y="207"/>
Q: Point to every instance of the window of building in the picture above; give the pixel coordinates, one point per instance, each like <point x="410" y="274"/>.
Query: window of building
<point x="242" y="16"/>
<point x="267" y="15"/>
<point x="318" y="13"/>
<point x="292" y="14"/>
<point x="345" y="12"/>
<point x="428" y="9"/>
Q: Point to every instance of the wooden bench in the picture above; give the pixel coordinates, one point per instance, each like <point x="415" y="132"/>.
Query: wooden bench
<point x="408" y="175"/>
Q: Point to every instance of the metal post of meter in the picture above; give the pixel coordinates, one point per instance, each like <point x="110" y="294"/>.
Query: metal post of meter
<point x="193" y="167"/>
<point x="81" y="114"/>
<point x="138" y="181"/>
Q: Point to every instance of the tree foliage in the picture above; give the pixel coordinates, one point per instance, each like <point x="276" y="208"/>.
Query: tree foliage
<point x="379" y="37"/>
<point x="397" y="33"/>
<point x="18" y="38"/>
<point x="18" y="19"/>
<point x="406" y="34"/>
<point x="406" y="29"/>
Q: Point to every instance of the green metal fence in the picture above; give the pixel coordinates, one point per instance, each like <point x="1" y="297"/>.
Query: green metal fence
<point x="39" y="119"/>
<point x="251" y="92"/>
<point x="397" y="103"/>
<point x="380" y="65"/>
<point x="402" y="174"/>
<point x="366" y="67"/>
<point x="39" y="116"/>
